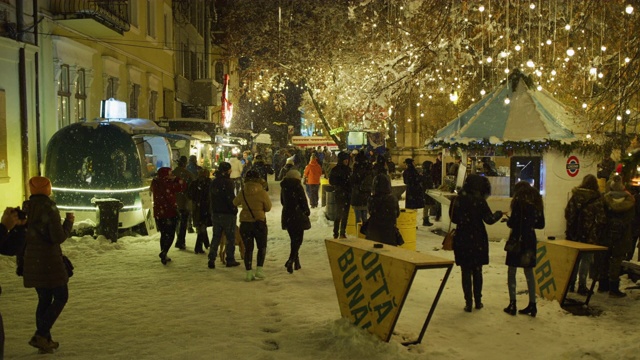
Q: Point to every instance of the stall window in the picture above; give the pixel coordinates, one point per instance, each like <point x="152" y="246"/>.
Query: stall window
<point x="81" y="96"/>
<point x="133" y="101"/>
<point x="64" y="95"/>
<point x="525" y="168"/>
<point x="153" y="102"/>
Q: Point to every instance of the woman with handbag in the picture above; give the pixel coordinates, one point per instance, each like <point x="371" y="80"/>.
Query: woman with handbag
<point x="44" y="267"/>
<point x="295" y="215"/>
<point x="255" y="203"/>
<point x="470" y="212"/>
<point x="527" y="214"/>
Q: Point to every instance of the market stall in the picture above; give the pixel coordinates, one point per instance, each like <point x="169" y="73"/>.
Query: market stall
<point x="519" y="132"/>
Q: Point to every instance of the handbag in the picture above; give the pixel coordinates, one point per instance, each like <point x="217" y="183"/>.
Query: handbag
<point x="68" y="265"/>
<point x="398" y="237"/>
<point x="447" y="242"/>
<point x="260" y="223"/>
<point x="514" y="244"/>
<point x="364" y="227"/>
<point x="306" y="222"/>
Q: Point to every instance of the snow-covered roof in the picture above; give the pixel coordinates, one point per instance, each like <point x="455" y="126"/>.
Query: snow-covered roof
<point x="531" y="115"/>
<point x="137" y="126"/>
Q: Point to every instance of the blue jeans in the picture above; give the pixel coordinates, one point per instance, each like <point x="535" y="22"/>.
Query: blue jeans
<point x="361" y="215"/>
<point x="223" y="223"/>
<point x="50" y="305"/>
<point x="531" y="283"/>
<point x="312" y="191"/>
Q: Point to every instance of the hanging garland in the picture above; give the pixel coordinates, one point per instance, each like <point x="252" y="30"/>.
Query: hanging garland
<point x="521" y="147"/>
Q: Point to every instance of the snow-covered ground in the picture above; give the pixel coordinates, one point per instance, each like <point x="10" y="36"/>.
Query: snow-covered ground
<point x="124" y="304"/>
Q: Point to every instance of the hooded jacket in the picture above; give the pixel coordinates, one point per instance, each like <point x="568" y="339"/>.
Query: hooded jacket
<point x="257" y="199"/>
<point x="415" y="191"/>
<point x="313" y="172"/>
<point x="221" y="194"/>
<point x="43" y="266"/>
<point x="164" y="190"/>
<point x="294" y="204"/>
<point x="584" y="215"/>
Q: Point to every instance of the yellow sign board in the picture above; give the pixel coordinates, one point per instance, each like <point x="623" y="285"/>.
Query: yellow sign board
<point x="556" y="260"/>
<point x="372" y="283"/>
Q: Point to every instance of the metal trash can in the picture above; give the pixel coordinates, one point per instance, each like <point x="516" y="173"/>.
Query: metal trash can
<point x="331" y="209"/>
<point x="325" y="188"/>
<point x="107" y="215"/>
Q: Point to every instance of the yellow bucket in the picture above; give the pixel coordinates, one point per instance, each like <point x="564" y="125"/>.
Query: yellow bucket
<point x="407" y="223"/>
<point x="323" y="198"/>
<point x="351" y="223"/>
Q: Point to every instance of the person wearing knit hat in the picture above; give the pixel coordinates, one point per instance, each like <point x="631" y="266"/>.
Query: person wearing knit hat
<point x="287" y="166"/>
<point x="40" y="185"/>
<point x="43" y="267"/>
<point x="619" y="207"/>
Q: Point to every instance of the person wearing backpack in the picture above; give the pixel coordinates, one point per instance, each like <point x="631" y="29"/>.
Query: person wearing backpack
<point x="619" y="207"/>
<point x="361" y="185"/>
<point x="585" y="219"/>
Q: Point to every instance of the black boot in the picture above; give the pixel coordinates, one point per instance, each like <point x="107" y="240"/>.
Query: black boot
<point x="614" y="289"/>
<point x="511" y="309"/>
<point x="531" y="309"/>
<point x="426" y="222"/>
<point x="296" y="264"/>
<point x="603" y="285"/>
<point x="467" y="307"/>
<point x="289" y="266"/>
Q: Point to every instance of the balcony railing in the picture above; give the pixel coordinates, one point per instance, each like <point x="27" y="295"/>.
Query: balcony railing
<point x="111" y="13"/>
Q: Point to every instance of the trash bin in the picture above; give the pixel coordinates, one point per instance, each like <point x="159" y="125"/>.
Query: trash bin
<point x="323" y="183"/>
<point x="407" y="223"/>
<point x="324" y="187"/>
<point x="107" y="216"/>
<point x="330" y="211"/>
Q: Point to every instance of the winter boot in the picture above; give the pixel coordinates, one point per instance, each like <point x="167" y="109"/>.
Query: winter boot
<point x="426" y="222"/>
<point x="296" y="264"/>
<point x="603" y="285"/>
<point x="250" y="276"/>
<point x="583" y="290"/>
<point x="614" y="289"/>
<point x="289" y="266"/>
<point x="511" y="309"/>
<point x="467" y="307"/>
<point x="531" y="309"/>
<point x="259" y="273"/>
<point x="42" y="343"/>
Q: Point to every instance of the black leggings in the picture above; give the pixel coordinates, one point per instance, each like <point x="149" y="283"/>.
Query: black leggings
<point x="50" y="305"/>
<point x="296" y="236"/>
<point x="251" y="231"/>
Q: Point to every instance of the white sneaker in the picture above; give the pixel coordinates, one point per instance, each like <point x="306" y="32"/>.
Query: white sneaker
<point x="259" y="274"/>
<point x="250" y="276"/>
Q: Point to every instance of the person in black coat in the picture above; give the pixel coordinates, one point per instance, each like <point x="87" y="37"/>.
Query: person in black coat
<point x="383" y="212"/>
<point x="339" y="180"/>
<point x="361" y="186"/>
<point x="527" y="214"/>
<point x="295" y="215"/>
<point x="429" y="202"/>
<point x="223" y="215"/>
<point x="415" y="191"/>
<point x="470" y="211"/>
<point x="198" y="192"/>
<point x="263" y="169"/>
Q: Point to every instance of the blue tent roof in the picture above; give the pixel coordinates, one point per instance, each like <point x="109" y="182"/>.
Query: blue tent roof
<point x="530" y="116"/>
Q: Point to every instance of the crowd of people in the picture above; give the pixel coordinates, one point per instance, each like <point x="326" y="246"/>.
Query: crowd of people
<point x="239" y="192"/>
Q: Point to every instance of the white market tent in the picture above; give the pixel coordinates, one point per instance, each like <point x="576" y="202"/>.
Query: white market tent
<point x="531" y="115"/>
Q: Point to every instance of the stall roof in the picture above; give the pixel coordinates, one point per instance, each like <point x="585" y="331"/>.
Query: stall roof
<point x="131" y="126"/>
<point x="531" y="115"/>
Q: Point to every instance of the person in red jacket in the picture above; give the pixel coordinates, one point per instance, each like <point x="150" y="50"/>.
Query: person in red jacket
<point x="164" y="188"/>
<point x="312" y="174"/>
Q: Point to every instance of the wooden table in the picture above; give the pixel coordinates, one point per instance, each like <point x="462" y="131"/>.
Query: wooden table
<point x="372" y="283"/>
<point x="557" y="262"/>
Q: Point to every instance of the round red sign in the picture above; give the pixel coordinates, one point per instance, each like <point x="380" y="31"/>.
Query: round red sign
<point x="573" y="166"/>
